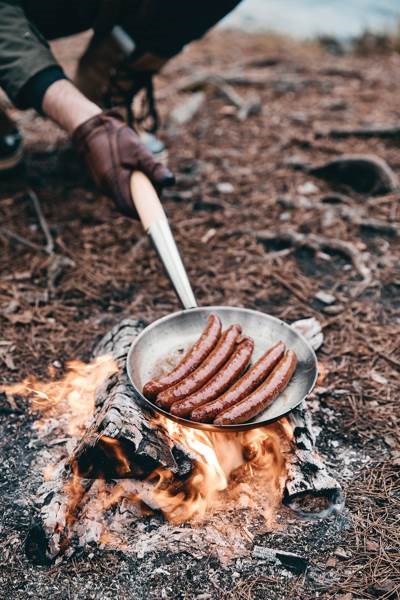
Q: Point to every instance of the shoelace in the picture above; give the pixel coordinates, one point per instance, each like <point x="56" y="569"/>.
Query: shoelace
<point x="119" y="94"/>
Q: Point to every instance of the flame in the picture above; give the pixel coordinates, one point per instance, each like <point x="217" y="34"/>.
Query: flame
<point x="323" y="372"/>
<point x="227" y="467"/>
<point x="73" y="395"/>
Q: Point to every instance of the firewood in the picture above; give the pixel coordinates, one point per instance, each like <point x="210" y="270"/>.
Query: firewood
<point x="310" y="491"/>
<point x="147" y="446"/>
<point x="120" y="418"/>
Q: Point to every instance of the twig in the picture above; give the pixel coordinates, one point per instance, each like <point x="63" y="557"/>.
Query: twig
<point x="318" y="242"/>
<point x="49" y="248"/>
<point x="357" y="216"/>
<point x="291" y="289"/>
<point x="223" y="85"/>
<point x="21" y="240"/>
<point x="281" y="84"/>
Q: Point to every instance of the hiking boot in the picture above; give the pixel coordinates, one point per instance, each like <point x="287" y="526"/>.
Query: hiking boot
<point x="110" y="75"/>
<point x="10" y="143"/>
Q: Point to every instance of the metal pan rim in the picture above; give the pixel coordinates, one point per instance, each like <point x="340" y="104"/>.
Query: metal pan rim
<point x="210" y="426"/>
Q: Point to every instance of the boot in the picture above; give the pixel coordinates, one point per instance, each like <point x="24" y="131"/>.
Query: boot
<point x="10" y="143"/>
<point x="112" y="79"/>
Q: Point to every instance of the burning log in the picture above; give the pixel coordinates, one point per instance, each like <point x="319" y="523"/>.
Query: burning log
<point x="119" y="419"/>
<point x="125" y="444"/>
<point x="119" y="427"/>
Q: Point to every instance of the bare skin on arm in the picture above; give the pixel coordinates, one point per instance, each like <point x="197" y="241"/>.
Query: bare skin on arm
<point x="67" y="106"/>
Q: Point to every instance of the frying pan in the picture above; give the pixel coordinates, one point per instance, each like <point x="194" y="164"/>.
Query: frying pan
<point x="176" y="332"/>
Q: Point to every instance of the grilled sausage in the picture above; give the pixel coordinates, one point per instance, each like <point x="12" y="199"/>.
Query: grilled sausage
<point x="231" y="370"/>
<point x="242" y="388"/>
<point x="205" y="371"/>
<point x="190" y="361"/>
<point x="262" y="397"/>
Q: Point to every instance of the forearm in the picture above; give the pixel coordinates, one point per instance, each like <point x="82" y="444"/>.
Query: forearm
<point x="67" y="106"/>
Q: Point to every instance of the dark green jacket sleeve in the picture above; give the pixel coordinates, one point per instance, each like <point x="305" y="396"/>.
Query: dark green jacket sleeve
<point x="24" y="55"/>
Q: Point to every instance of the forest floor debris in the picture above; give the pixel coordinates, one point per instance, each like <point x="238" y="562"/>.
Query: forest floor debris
<point x="48" y="316"/>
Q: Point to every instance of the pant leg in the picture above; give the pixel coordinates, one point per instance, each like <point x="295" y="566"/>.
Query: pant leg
<point x="164" y="27"/>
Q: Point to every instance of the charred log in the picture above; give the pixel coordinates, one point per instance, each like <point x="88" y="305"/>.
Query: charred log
<point x="119" y="418"/>
<point x="310" y="490"/>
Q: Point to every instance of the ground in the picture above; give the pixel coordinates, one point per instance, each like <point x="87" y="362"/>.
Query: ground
<point x="235" y="179"/>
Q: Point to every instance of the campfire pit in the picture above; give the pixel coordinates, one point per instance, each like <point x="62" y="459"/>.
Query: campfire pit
<point x="130" y="464"/>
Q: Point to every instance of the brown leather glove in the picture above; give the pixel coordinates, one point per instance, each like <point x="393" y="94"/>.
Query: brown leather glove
<point x="112" y="150"/>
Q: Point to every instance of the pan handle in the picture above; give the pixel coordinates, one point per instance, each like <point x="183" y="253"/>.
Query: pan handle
<point x="155" y="223"/>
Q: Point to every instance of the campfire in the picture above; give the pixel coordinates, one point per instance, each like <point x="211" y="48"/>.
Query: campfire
<point x="110" y="468"/>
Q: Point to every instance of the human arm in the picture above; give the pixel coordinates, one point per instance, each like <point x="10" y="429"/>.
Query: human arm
<point x="111" y="149"/>
<point x="31" y="77"/>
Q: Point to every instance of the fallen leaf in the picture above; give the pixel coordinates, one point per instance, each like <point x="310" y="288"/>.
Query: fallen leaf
<point x="225" y="187"/>
<point x="307" y="189"/>
<point x="331" y="562"/>
<point x="372" y="546"/>
<point x="10" y="308"/>
<point x="391" y="441"/>
<point x="342" y="553"/>
<point x="378" y="378"/>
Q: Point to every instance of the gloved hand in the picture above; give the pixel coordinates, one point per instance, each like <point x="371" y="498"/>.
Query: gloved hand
<point x="112" y="150"/>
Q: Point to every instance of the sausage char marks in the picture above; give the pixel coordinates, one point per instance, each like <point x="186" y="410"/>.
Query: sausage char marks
<point x="220" y="382"/>
<point x="243" y="387"/>
<point x="209" y="367"/>
<point x="190" y="361"/>
<point x="263" y="396"/>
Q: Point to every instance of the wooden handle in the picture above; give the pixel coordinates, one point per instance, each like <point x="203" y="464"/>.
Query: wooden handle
<point x="146" y="200"/>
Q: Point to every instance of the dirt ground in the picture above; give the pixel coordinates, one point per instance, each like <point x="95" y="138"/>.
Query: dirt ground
<point x="235" y="179"/>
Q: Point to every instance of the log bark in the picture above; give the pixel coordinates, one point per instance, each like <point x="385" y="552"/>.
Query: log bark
<point x="119" y="417"/>
<point x="309" y="490"/>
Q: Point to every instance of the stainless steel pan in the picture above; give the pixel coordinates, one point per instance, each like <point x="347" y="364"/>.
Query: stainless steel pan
<point x="178" y="331"/>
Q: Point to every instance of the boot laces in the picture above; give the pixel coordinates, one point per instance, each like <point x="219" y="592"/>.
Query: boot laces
<point x="124" y="86"/>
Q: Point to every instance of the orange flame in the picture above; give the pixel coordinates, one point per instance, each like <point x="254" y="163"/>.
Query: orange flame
<point x="323" y="372"/>
<point x="224" y="462"/>
<point x="73" y="395"/>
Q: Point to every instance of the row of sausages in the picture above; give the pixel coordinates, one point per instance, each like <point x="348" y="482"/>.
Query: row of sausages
<point x="211" y="383"/>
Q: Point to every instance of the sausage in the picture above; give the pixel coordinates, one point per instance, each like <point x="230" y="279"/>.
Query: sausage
<point x="231" y="370"/>
<point x="262" y="397"/>
<point x="190" y="361"/>
<point x="242" y="388"/>
<point x="205" y="371"/>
